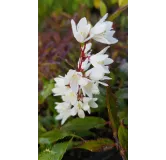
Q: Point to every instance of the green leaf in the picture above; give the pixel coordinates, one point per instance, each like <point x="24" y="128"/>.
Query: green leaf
<point x="79" y="124"/>
<point x="52" y="136"/>
<point x="103" y="8"/>
<point x="47" y="90"/>
<point x="122" y="2"/>
<point x="60" y="148"/>
<point x="47" y="155"/>
<point x="112" y="110"/>
<point x="122" y="93"/>
<point x="123" y="136"/>
<point x="56" y="153"/>
<point x="122" y="96"/>
<point x="97" y="145"/>
<point x="117" y="13"/>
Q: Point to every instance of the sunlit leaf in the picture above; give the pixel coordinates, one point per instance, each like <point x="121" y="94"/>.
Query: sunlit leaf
<point x="122" y="2"/>
<point x="103" y="8"/>
<point x="97" y="145"/>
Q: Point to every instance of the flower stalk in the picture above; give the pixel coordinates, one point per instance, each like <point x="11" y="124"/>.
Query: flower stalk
<point x="79" y="87"/>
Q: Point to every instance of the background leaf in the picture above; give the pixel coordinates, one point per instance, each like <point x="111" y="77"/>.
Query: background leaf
<point x="117" y="13"/>
<point x="123" y="136"/>
<point x="47" y="90"/>
<point x="97" y="145"/>
<point x="103" y="8"/>
<point x="122" y="2"/>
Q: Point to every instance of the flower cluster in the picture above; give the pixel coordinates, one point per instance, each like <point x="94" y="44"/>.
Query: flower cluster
<point x="79" y="87"/>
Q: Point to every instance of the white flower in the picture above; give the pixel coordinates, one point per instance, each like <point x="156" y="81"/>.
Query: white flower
<point x="97" y="75"/>
<point x="79" y="108"/>
<point x="60" y="87"/>
<point x="84" y="105"/>
<point x="101" y="60"/>
<point x="89" y="88"/>
<point x="72" y="78"/>
<point x="81" y="31"/>
<point x="64" y="110"/>
<point x="102" y="31"/>
<point x="89" y="102"/>
<point x="70" y="97"/>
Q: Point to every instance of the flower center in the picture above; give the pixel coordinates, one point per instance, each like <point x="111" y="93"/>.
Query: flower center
<point x="101" y="62"/>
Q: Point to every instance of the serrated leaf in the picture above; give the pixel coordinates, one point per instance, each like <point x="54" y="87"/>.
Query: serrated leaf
<point x="79" y="124"/>
<point x="52" y="136"/>
<point x="97" y="145"/>
<point x="123" y="136"/>
<point x="117" y="13"/>
<point x="122" y="2"/>
<point x="103" y="8"/>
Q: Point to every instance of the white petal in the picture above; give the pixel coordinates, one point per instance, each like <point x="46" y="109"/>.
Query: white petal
<point x="88" y="47"/>
<point x="103" y="51"/>
<point x="73" y="25"/>
<point x="86" y="107"/>
<point x="106" y="78"/>
<point x="86" y="99"/>
<point x="64" y="119"/>
<point x="91" y="36"/>
<point x="81" y="24"/>
<point x="73" y="111"/>
<point x="93" y="104"/>
<point x="103" y="18"/>
<point x="58" y="117"/>
<point x="79" y="37"/>
<point x="81" y="113"/>
<point x="88" y="89"/>
<point x="110" y="38"/>
<point x="98" y="29"/>
<point x="109" y="25"/>
<point x="101" y="39"/>
<point x="108" y="61"/>
<point x="96" y="74"/>
<point x="74" y="85"/>
<point x="104" y="84"/>
<point x="83" y="81"/>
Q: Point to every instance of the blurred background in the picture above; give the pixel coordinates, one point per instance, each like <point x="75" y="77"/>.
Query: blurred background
<point x="59" y="52"/>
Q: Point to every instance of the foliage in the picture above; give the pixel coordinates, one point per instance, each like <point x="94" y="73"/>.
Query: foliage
<point x="106" y="128"/>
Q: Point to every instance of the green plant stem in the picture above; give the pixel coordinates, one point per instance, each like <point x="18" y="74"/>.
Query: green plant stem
<point x="112" y="123"/>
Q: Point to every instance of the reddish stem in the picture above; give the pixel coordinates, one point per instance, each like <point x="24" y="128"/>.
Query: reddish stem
<point x="82" y="58"/>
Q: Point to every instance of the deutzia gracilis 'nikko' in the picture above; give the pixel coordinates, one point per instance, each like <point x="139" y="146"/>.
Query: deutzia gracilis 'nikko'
<point x="79" y="87"/>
